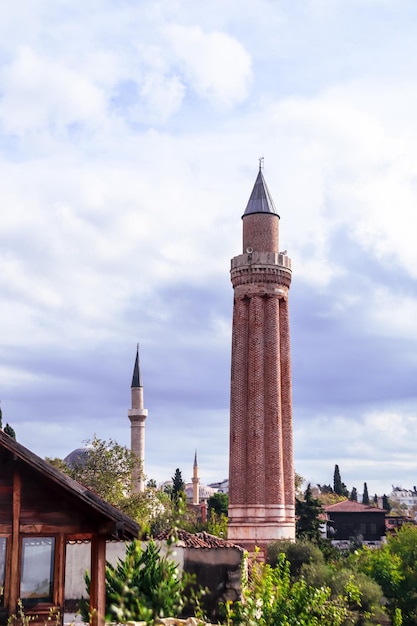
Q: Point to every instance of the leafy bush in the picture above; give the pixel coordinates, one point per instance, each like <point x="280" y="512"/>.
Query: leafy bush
<point x="298" y="554"/>
<point x="142" y="587"/>
<point x="271" y="598"/>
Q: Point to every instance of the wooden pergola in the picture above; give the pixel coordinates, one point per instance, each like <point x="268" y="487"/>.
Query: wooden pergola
<point x="41" y="510"/>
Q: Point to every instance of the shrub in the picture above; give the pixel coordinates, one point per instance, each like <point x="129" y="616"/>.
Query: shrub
<point x="298" y="554"/>
<point x="271" y="598"/>
<point x="141" y="587"/>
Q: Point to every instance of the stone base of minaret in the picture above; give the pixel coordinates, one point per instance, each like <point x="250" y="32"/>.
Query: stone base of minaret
<point x="257" y="526"/>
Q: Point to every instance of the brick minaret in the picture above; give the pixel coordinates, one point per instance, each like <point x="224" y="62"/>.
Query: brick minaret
<point x="196" y="482"/>
<point x="261" y="472"/>
<point x="137" y="415"/>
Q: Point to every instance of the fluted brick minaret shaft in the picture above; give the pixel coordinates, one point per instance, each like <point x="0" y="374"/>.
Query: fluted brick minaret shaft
<point x="261" y="472"/>
<point x="137" y="415"/>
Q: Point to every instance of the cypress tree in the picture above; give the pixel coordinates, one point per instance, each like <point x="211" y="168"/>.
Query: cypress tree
<point x="385" y="504"/>
<point x="339" y="487"/>
<point x="307" y="512"/>
<point x="354" y="494"/>
<point x="178" y="485"/>
<point x="337" y="481"/>
<point x="365" y="497"/>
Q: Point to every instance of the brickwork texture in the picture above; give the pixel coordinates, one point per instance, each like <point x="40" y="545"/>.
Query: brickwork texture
<point x="261" y="470"/>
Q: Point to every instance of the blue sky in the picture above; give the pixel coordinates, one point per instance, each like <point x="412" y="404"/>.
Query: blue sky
<point x="130" y="134"/>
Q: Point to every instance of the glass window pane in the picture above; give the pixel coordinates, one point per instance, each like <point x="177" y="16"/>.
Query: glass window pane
<point x="3" y="543"/>
<point x="37" y="580"/>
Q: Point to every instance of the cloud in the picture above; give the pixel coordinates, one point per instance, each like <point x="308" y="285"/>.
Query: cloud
<point x="215" y="65"/>
<point x="39" y="92"/>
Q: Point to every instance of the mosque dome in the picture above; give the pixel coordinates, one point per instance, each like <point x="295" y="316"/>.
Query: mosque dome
<point x="77" y="456"/>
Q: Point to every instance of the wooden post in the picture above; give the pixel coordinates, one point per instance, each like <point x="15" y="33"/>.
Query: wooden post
<point x="14" y="575"/>
<point x="59" y="574"/>
<point x="98" y="580"/>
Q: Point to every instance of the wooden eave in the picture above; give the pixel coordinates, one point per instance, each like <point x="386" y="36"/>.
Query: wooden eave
<point x="117" y="524"/>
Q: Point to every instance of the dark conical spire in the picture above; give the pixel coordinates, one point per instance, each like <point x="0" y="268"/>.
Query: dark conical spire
<point x="260" y="200"/>
<point x="195" y="459"/>
<point x="137" y="377"/>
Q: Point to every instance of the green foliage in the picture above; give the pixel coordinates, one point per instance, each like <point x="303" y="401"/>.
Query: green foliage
<point x="178" y="485"/>
<point x="297" y="554"/>
<point x="217" y="524"/>
<point x="385" y="503"/>
<point x="394" y="567"/>
<point x="218" y="503"/>
<point x="142" y="587"/>
<point x="365" y="496"/>
<point x="338" y="486"/>
<point x="307" y="513"/>
<point x="7" y="429"/>
<point x="354" y="495"/>
<point x="107" y="470"/>
<point x="325" y="488"/>
<point x="10" y="431"/>
<point x="270" y="598"/>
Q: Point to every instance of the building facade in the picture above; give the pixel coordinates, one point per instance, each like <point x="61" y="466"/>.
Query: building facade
<point x="261" y="468"/>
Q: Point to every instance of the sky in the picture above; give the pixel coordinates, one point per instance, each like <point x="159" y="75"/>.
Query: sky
<point x="130" y="133"/>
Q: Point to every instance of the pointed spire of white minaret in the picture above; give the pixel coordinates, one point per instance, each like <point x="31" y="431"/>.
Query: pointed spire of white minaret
<point x="196" y="482"/>
<point x="137" y="415"/>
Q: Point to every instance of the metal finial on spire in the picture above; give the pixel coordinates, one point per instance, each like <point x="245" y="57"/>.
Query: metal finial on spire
<point x="261" y="162"/>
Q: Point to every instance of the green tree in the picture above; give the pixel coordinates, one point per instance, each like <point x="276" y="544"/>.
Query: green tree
<point x="325" y="489"/>
<point x="385" y="503"/>
<point x="178" y="485"/>
<point x="307" y="513"/>
<point x="106" y="469"/>
<point x="365" y="496"/>
<point x="10" y="431"/>
<point x="338" y="486"/>
<point x="218" y="503"/>
<point x="354" y="494"/>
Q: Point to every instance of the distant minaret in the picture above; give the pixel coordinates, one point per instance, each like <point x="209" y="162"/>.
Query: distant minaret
<point x="137" y="415"/>
<point x="261" y="472"/>
<point x="196" y="482"/>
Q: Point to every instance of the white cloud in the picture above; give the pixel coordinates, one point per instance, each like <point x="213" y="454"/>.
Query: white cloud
<point x="357" y="445"/>
<point x="39" y="92"/>
<point x="216" y="65"/>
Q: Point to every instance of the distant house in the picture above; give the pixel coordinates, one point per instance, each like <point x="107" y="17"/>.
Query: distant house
<point x="349" y="521"/>
<point x="405" y="498"/>
<point x="394" y="522"/>
<point x="41" y="510"/>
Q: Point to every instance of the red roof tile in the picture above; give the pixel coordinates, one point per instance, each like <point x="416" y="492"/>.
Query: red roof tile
<point x="197" y="540"/>
<point x="350" y="506"/>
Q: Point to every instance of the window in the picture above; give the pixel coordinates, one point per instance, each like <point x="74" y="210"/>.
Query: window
<point x="37" y="579"/>
<point x="373" y="529"/>
<point x="3" y="545"/>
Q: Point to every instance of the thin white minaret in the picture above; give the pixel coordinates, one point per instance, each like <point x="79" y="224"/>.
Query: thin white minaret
<point x="196" y="481"/>
<point x="137" y="415"/>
